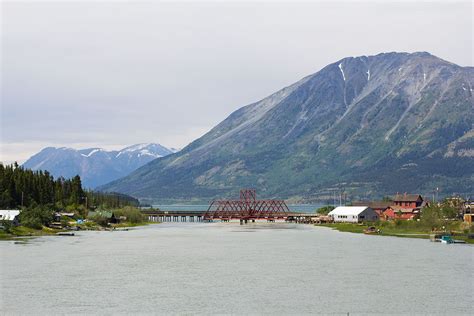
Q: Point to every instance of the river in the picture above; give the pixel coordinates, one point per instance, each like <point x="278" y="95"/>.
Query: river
<point x="225" y="268"/>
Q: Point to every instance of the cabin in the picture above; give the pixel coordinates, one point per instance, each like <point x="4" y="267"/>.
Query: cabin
<point x="353" y="214"/>
<point x="59" y="215"/>
<point x="12" y="216"/>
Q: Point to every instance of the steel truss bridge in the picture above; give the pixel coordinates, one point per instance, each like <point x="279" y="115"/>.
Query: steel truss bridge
<point x="247" y="208"/>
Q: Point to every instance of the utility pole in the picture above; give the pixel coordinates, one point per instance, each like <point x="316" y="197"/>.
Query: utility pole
<point x="22" y="195"/>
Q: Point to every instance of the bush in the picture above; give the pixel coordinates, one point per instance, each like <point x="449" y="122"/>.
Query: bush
<point x="100" y="220"/>
<point x="7" y="226"/>
<point x="132" y="214"/>
<point x="37" y="217"/>
<point x="431" y="217"/>
<point x="325" y="209"/>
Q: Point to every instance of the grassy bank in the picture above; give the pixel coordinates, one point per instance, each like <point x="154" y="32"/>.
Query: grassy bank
<point x="406" y="229"/>
<point x="22" y="231"/>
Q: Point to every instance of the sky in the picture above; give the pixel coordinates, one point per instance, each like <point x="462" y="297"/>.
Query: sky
<point x="114" y="73"/>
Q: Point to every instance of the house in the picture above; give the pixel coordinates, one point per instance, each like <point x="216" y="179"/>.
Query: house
<point x="353" y="214"/>
<point x="10" y="215"/>
<point x="59" y="215"/>
<point x="399" y="213"/>
<point x="409" y="201"/>
<point x="468" y="207"/>
<point x="405" y="206"/>
<point x="469" y="218"/>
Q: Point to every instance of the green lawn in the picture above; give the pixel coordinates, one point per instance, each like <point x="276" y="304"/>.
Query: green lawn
<point x="408" y="229"/>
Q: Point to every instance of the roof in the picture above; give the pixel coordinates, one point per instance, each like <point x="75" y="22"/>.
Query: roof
<point x="404" y="210"/>
<point x="406" y="197"/>
<point x="9" y="215"/>
<point x="348" y="210"/>
<point x="105" y="214"/>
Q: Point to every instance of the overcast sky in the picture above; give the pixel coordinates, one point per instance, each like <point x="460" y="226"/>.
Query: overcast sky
<point x="110" y="74"/>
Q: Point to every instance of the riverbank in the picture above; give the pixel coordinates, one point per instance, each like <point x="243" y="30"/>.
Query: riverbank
<point x="23" y="231"/>
<point x="401" y="230"/>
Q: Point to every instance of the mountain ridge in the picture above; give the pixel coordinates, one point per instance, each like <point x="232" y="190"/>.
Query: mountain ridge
<point x="96" y="166"/>
<point x="352" y="124"/>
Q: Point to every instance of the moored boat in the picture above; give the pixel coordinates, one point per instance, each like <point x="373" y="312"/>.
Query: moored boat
<point x="372" y="230"/>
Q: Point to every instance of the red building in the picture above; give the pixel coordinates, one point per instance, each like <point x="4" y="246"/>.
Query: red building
<point x="407" y="201"/>
<point x="405" y="206"/>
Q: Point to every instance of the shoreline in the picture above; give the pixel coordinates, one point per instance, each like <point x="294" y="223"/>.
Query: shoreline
<point x="389" y="231"/>
<point x="19" y="232"/>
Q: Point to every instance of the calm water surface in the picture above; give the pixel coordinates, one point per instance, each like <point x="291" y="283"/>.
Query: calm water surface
<point x="216" y="268"/>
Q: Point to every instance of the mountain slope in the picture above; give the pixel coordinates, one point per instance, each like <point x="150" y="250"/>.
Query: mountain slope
<point x="96" y="166"/>
<point x="378" y="124"/>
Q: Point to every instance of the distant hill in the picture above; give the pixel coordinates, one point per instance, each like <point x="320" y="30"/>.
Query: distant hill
<point x="96" y="166"/>
<point x="369" y="126"/>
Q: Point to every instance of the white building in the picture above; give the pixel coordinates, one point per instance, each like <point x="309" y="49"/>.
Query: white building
<point x="9" y="215"/>
<point x="353" y="214"/>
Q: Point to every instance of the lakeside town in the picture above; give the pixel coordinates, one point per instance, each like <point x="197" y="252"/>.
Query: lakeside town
<point x="402" y="215"/>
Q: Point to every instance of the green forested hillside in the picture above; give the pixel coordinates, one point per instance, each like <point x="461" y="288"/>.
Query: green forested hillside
<point x="369" y="126"/>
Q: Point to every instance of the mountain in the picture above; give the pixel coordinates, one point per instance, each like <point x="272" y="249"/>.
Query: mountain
<point x="368" y="126"/>
<point x="96" y="166"/>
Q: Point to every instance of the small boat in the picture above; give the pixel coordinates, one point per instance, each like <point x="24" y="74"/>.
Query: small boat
<point x="372" y="230"/>
<point x="446" y="239"/>
<point x="65" y="234"/>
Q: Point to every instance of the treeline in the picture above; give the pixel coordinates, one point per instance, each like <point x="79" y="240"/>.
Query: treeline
<point x="24" y="188"/>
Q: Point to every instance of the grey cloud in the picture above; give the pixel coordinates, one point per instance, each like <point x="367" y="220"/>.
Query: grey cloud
<point x="128" y="72"/>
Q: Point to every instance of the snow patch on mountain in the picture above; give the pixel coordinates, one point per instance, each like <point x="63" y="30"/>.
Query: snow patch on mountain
<point x="92" y="152"/>
<point x="342" y="72"/>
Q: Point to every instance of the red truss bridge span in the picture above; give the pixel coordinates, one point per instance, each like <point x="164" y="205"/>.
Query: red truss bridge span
<point x="247" y="208"/>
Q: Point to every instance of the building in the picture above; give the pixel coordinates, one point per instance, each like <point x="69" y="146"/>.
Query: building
<point x="469" y="218"/>
<point x="468" y="207"/>
<point x="394" y="212"/>
<point x="408" y="201"/>
<point x="378" y="206"/>
<point x="10" y="215"/>
<point x="353" y="214"/>
<point x="405" y="207"/>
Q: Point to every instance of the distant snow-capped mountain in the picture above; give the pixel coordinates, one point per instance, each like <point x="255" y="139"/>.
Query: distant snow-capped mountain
<point x="96" y="166"/>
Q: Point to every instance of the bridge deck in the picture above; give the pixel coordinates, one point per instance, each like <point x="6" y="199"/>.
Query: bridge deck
<point x="192" y="216"/>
